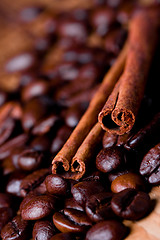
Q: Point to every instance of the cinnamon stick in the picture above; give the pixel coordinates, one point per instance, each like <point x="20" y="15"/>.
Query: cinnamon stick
<point x="62" y="160"/>
<point x="119" y="112"/>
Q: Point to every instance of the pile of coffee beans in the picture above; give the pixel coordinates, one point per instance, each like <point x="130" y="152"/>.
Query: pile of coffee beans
<point x="51" y="64"/>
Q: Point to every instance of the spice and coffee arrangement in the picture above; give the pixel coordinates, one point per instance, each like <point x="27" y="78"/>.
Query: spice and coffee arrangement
<point x="79" y="120"/>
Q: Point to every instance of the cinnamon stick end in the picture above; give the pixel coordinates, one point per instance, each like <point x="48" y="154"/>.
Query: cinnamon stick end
<point x="59" y="165"/>
<point x="78" y="169"/>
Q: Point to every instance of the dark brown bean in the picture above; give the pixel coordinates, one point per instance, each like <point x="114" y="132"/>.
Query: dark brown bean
<point x="39" y="207"/>
<point x="17" y="229"/>
<point x="43" y="229"/>
<point x="150" y="165"/>
<point x="7" y="126"/>
<point x="14" y="183"/>
<point x="5" y="200"/>
<point x="71" y="220"/>
<point x="34" y="89"/>
<point x="57" y="185"/>
<point x="110" y="159"/>
<point x="131" y="204"/>
<point x="128" y="180"/>
<point x="98" y="207"/>
<point x="33" y="180"/>
<point x="6" y="215"/>
<point x="41" y="143"/>
<point x="30" y="160"/>
<point x="71" y="203"/>
<point x="64" y="236"/>
<point x="83" y="190"/>
<point x="109" y="140"/>
<point x="107" y="230"/>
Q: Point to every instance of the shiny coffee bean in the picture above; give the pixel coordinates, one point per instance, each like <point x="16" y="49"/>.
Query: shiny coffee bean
<point x="71" y="220"/>
<point x="113" y="175"/>
<point x="17" y="229"/>
<point x="43" y="229"/>
<point x="34" y="111"/>
<point x="6" y="215"/>
<point x="110" y="159"/>
<point x="73" y="29"/>
<point x="30" y="160"/>
<point x="83" y="190"/>
<point x="57" y="185"/>
<point x="21" y="62"/>
<point x="128" y="180"/>
<point x="131" y="204"/>
<point x="109" y="140"/>
<point x="34" y="89"/>
<point x="41" y="143"/>
<point x="15" y="155"/>
<point x="107" y="230"/>
<point x="64" y="236"/>
<point x="7" y="126"/>
<point x="31" y="181"/>
<point x="98" y="207"/>
<point x="39" y="207"/>
<point x="71" y="203"/>
<point x="14" y="184"/>
<point x="150" y="165"/>
<point x="47" y="124"/>
<point x="102" y="20"/>
<point x="7" y="148"/>
<point x="61" y="137"/>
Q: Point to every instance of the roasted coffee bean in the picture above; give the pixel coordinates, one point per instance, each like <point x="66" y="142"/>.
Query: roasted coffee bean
<point x="109" y="140"/>
<point x="110" y="159"/>
<point x="30" y="160"/>
<point x="68" y="71"/>
<point x="71" y="220"/>
<point x="102" y="20"/>
<point x="7" y="148"/>
<point x="71" y="203"/>
<point x="32" y="180"/>
<point x="61" y="137"/>
<point x="21" y="62"/>
<point x="5" y="200"/>
<point x="41" y="143"/>
<point x="113" y="175"/>
<point x="39" y="207"/>
<point x="34" y="89"/>
<point x="150" y="165"/>
<point x="47" y="124"/>
<point x="98" y="207"/>
<point x="15" y="155"/>
<point x="28" y="14"/>
<point x="43" y="229"/>
<point x="73" y="29"/>
<point x="34" y="110"/>
<point x="146" y="137"/>
<point x="64" y="236"/>
<point x="14" y="184"/>
<point x="131" y="204"/>
<point x="83" y="190"/>
<point x="107" y="230"/>
<point x="17" y="229"/>
<point x="7" y="126"/>
<point x="7" y="167"/>
<point x="128" y="180"/>
<point x="6" y="215"/>
<point x="57" y="185"/>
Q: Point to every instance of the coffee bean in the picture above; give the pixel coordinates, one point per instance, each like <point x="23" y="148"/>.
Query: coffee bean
<point x="109" y="140"/>
<point x="17" y="229"/>
<point x="43" y="229"/>
<point x="71" y="203"/>
<point x="71" y="220"/>
<point x="113" y="175"/>
<point x="150" y="165"/>
<point x="34" y="89"/>
<point x="30" y="160"/>
<point x="110" y="159"/>
<point x="131" y="204"/>
<point x="39" y="207"/>
<point x="107" y="230"/>
<point x="5" y="200"/>
<point x="41" y="143"/>
<point x="57" y="185"/>
<point x="64" y="236"/>
<point x="98" y="207"/>
<point x="128" y="180"/>
<point x="83" y="190"/>
<point x="7" y="126"/>
<point x="6" y="215"/>
<point x="14" y="183"/>
<point x="32" y="180"/>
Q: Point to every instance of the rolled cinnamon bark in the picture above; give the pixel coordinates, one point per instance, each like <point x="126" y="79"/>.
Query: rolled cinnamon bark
<point x="62" y="160"/>
<point x="119" y="112"/>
